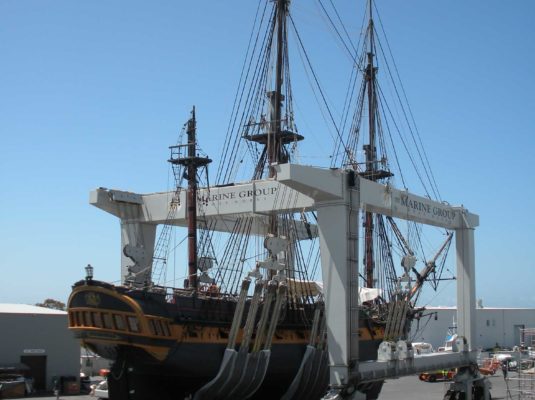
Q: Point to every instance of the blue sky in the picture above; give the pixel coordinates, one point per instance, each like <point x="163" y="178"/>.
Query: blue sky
<point x="93" y="93"/>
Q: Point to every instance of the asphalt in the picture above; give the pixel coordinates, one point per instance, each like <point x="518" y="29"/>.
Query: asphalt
<point x="406" y="388"/>
<point x="411" y="388"/>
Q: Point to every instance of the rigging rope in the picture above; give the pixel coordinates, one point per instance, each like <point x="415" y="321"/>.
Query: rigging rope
<point x="316" y="80"/>
<point x="418" y="146"/>
<point x="239" y="94"/>
<point x="433" y="183"/>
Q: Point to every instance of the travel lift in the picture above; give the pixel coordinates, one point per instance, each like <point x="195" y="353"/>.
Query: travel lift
<point x="337" y="196"/>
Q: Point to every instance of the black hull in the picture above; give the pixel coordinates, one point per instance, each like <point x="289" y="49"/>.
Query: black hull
<point x="193" y="365"/>
<point x="134" y="386"/>
<point x="175" y="361"/>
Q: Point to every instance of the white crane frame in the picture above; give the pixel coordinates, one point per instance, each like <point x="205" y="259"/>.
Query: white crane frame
<point x="337" y="196"/>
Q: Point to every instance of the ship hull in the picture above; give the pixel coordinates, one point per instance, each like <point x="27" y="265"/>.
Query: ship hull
<point x="169" y="348"/>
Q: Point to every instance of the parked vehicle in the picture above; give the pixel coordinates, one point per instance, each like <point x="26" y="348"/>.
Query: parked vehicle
<point x="101" y="390"/>
<point x="14" y="385"/>
<point x="440" y="375"/>
<point x="15" y="379"/>
<point x="489" y="366"/>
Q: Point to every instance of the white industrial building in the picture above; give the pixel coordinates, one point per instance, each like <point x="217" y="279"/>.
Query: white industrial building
<point x="39" y="338"/>
<point x="500" y="326"/>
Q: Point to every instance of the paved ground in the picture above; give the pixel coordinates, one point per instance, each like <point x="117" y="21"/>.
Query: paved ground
<point x="411" y="388"/>
<point x="407" y="388"/>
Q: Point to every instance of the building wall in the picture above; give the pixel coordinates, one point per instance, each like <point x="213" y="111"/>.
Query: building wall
<point x="429" y="330"/>
<point x="91" y="365"/>
<point x="27" y="334"/>
<point x="494" y="326"/>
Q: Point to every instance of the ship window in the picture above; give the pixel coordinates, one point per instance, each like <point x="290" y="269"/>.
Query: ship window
<point x="74" y="320"/>
<point x="79" y="318"/>
<point x="152" y="327"/>
<point x="87" y="318"/>
<point x="97" y="321"/>
<point x="119" y="322"/>
<point x="106" y="320"/>
<point x="166" y="330"/>
<point x="133" y="325"/>
<point x="159" y="330"/>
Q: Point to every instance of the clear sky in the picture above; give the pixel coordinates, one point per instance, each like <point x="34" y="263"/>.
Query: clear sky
<point x="92" y="93"/>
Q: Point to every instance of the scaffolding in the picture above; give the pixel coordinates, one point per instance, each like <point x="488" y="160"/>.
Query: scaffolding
<point x="522" y="386"/>
<point x="527" y="339"/>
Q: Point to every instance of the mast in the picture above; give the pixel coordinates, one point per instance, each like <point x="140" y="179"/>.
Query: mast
<point x="275" y="137"/>
<point x="370" y="152"/>
<point x="191" y="162"/>
<point x="372" y="171"/>
<point x="191" y="203"/>
<point x="274" y="146"/>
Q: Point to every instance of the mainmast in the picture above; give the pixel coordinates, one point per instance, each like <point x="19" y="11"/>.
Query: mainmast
<point x="372" y="171"/>
<point x="274" y="145"/>
<point x="370" y="152"/>
<point x="276" y="135"/>
<point x="191" y="162"/>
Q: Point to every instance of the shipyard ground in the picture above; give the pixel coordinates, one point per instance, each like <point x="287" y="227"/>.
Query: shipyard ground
<point x="409" y="388"/>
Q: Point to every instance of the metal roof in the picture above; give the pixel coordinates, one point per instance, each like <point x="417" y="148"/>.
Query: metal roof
<point x="27" y="309"/>
<point x="436" y="308"/>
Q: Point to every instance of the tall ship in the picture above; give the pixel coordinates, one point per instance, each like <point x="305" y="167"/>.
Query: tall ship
<point x="247" y="319"/>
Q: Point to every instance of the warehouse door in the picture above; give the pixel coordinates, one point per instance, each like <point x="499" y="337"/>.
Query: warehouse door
<point x="37" y="366"/>
<point x="519" y="334"/>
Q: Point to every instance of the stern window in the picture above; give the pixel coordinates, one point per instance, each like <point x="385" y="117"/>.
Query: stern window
<point x="75" y="319"/>
<point x="133" y="324"/>
<point x="106" y="320"/>
<point x="166" y="330"/>
<point x="97" y="320"/>
<point x="152" y="327"/>
<point x="159" y="330"/>
<point x="87" y="318"/>
<point x="119" y="322"/>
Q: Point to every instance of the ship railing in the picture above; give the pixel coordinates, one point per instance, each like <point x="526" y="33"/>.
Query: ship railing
<point x="171" y="293"/>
